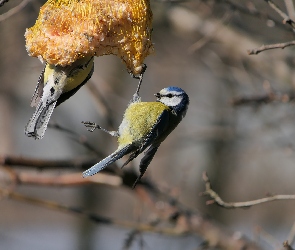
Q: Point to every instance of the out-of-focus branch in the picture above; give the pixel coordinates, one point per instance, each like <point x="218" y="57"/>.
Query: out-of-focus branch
<point x="286" y="18"/>
<point x="73" y="164"/>
<point x="270" y="46"/>
<point x="263" y="99"/>
<point x="249" y="10"/>
<point x="92" y="216"/>
<point x="2" y="2"/>
<point x="204" y="40"/>
<point x="287" y="246"/>
<point x="231" y="39"/>
<point x="82" y="140"/>
<point x="12" y="11"/>
<point x="216" y="198"/>
<point x="70" y="179"/>
<point x="185" y="221"/>
<point x="291" y="235"/>
<point x="101" y="103"/>
<point x="290" y="8"/>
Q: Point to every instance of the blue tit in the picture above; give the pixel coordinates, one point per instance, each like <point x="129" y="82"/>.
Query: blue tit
<point x="145" y="125"/>
<point x="55" y="85"/>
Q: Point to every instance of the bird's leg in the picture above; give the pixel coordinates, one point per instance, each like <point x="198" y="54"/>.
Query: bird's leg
<point x="91" y="126"/>
<point x="136" y="97"/>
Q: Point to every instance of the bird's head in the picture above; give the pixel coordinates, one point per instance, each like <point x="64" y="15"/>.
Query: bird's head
<point x="175" y="98"/>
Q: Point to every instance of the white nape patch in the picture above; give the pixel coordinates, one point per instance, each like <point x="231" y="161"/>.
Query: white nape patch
<point x="171" y="102"/>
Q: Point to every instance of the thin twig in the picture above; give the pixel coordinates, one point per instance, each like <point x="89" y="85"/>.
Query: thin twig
<point x="286" y="18"/>
<point x="64" y="180"/>
<point x="290" y="8"/>
<point x="268" y="238"/>
<point x="270" y="46"/>
<point x="185" y="220"/>
<point x="250" y="10"/>
<point x="14" y="10"/>
<point x="91" y="216"/>
<point x="291" y="234"/>
<point x="76" y="137"/>
<point x="216" y="198"/>
<point x="272" y="96"/>
<point x="2" y="2"/>
<point x="287" y="246"/>
<point x="40" y="164"/>
<point x="102" y="103"/>
<point x="207" y="38"/>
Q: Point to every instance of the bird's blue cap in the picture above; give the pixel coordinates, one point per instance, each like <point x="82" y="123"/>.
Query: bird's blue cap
<point x="174" y="88"/>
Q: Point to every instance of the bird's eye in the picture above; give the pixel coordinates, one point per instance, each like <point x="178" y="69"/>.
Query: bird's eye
<point x="169" y="95"/>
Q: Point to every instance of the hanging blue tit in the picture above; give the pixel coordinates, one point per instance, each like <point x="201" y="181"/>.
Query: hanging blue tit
<point x="145" y="125"/>
<point x="55" y="85"/>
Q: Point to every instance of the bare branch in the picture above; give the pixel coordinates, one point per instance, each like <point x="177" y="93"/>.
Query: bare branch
<point x="286" y="18"/>
<point x="216" y="198"/>
<point x="250" y="10"/>
<point x="270" y="46"/>
<point x="70" y="179"/>
<point x="2" y="2"/>
<point x="287" y="246"/>
<point x="291" y="234"/>
<point x="81" y="139"/>
<point x="12" y="11"/>
<point x="207" y="38"/>
<point x="91" y="216"/>
<point x="263" y="99"/>
<point x="290" y="8"/>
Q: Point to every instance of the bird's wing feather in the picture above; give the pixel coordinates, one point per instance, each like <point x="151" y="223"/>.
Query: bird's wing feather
<point x="145" y="162"/>
<point x="157" y="130"/>
<point x="108" y="160"/>
<point x="159" y="127"/>
<point x="38" y="90"/>
<point x="37" y="125"/>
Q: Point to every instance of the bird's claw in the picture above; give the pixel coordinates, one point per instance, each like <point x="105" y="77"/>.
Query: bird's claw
<point x="91" y="126"/>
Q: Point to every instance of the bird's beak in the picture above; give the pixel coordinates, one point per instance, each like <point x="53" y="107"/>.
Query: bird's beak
<point x="157" y="95"/>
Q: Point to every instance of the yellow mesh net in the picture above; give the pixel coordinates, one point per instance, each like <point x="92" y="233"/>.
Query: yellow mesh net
<point x="67" y="30"/>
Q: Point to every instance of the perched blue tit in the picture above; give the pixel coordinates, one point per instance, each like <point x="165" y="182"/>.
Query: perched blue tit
<point x="145" y="125"/>
<point x="55" y="85"/>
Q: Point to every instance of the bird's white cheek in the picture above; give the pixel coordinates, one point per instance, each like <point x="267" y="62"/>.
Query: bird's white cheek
<point x="171" y="102"/>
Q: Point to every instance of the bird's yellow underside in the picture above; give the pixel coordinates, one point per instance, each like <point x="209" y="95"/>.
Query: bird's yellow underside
<point x="136" y="124"/>
<point x="67" y="30"/>
<point x="71" y="82"/>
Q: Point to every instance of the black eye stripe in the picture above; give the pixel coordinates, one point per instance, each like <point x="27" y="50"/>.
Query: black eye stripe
<point x="169" y="95"/>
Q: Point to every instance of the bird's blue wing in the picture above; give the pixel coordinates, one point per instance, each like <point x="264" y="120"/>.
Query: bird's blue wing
<point x="38" y="90"/>
<point x="145" y="162"/>
<point x="153" y="139"/>
<point x="157" y="130"/>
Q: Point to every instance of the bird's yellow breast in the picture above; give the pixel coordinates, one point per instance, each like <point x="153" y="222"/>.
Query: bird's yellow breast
<point x="139" y="119"/>
<point x="53" y="75"/>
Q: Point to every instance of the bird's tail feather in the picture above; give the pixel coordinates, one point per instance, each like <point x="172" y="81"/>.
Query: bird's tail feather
<point x="107" y="161"/>
<point x="37" y="125"/>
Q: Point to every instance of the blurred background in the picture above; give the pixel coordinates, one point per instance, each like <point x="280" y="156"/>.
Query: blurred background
<point x="245" y="146"/>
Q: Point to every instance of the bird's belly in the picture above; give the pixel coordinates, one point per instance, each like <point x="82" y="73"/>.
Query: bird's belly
<point x="138" y="121"/>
